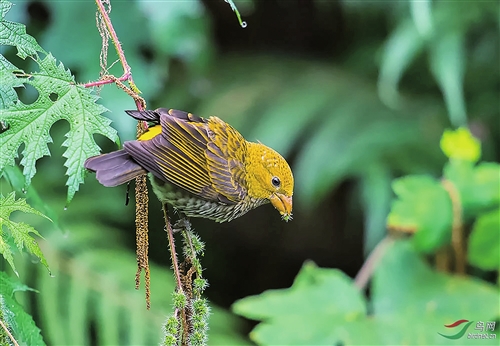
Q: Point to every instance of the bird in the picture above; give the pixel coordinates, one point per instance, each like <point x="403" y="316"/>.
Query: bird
<point x="201" y="167"/>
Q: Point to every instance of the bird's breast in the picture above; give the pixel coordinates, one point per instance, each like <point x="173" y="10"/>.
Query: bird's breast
<point x="194" y="206"/>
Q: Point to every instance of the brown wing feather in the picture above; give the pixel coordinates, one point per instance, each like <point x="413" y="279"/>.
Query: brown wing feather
<point x="225" y="154"/>
<point x="191" y="153"/>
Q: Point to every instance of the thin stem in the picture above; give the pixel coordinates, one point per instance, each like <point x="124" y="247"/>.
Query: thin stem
<point x="366" y="271"/>
<point x="114" y="37"/>
<point x="171" y="242"/>
<point x="457" y="231"/>
<point x="11" y="337"/>
<point x="127" y="74"/>
<point x="109" y="80"/>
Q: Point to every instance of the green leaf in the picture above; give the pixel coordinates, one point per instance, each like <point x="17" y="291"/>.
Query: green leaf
<point x="15" y="178"/>
<point x="423" y="207"/>
<point x="479" y="186"/>
<point x="460" y="144"/>
<point x="401" y="48"/>
<point x="307" y="312"/>
<point x="8" y="95"/>
<point x="14" y="34"/>
<point x="404" y="285"/>
<point x="422" y="16"/>
<point x="20" y="324"/>
<point x="376" y="198"/>
<point x="415" y="301"/>
<point x="447" y="60"/>
<point x="484" y="242"/>
<point x="30" y="124"/>
<point x="19" y="231"/>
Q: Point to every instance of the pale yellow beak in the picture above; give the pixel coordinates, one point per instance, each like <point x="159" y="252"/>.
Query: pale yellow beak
<point x="283" y="204"/>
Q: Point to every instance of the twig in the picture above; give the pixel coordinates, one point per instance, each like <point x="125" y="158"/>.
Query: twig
<point x="457" y="231"/>
<point x="108" y="80"/>
<point x="366" y="271"/>
<point x="171" y="242"/>
<point x="114" y="38"/>
<point x="127" y="74"/>
<point x="11" y="337"/>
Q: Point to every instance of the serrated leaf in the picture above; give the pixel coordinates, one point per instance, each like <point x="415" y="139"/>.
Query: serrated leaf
<point x="460" y="144"/>
<point x="30" y="124"/>
<point x="19" y="231"/>
<point x="8" y="95"/>
<point x="307" y="312"/>
<point x="16" y="179"/>
<point x="484" y="242"/>
<point x="14" y="34"/>
<point x="423" y="207"/>
<point x="20" y="324"/>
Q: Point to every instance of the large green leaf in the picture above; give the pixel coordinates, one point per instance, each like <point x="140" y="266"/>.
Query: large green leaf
<point x="423" y="207"/>
<point x="307" y="312"/>
<point x="484" y="242"/>
<point x="418" y="301"/>
<point x="29" y="124"/>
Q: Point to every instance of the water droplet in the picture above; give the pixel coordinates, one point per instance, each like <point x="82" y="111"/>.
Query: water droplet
<point x="23" y="190"/>
<point x="65" y="208"/>
<point x="243" y="24"/>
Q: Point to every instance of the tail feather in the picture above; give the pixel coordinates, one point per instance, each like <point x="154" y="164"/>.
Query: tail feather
<point x="115" y="168"/>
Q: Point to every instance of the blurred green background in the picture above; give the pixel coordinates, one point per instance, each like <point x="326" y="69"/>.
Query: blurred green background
<point x="352" y="93"/>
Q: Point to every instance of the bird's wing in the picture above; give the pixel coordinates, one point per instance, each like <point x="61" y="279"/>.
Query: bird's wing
<point x="180" y="155"/>
<point x="225" y="157"/>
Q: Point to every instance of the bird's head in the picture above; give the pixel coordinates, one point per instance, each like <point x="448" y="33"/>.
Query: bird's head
<point x="269" y="177"/>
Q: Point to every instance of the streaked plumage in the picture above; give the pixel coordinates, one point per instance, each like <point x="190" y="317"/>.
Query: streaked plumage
<point x="202" y="167"/>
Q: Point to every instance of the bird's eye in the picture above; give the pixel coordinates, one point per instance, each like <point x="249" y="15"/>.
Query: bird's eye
<point x="276" y="181"/>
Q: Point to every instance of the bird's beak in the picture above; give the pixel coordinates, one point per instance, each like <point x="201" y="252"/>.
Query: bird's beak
<point x="283" y="204"/>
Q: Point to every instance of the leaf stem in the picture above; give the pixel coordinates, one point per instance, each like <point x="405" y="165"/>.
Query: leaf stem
<point x="11" y="337"/>
<point x="457" y="231"/>
<point x="366" y="271"/>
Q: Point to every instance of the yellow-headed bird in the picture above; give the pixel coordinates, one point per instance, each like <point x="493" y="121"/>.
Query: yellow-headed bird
<point x="202" y="167"/>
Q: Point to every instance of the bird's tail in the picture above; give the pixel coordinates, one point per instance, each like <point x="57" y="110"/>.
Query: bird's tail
<point x="114" y="168"/>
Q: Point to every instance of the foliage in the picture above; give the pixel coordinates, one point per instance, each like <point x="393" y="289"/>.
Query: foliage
<point x="410" y="303"/>
<point x="425" y="206"/>
<point x="92" y="285"/>
<point x="324" y="307"/>
<point x="11" y="312"/>
<point x="94" y="292"/>
<point x="58" y="98"/>
<point x="19" y="231"/>
<point x="327" y="118"/>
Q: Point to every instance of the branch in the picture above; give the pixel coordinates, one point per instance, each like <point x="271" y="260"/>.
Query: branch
<point x="366" y="271"/>
<point x="11" y="337"/>
<point x="127" y="74"/>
